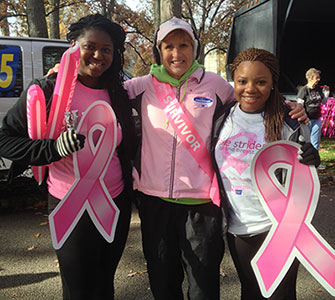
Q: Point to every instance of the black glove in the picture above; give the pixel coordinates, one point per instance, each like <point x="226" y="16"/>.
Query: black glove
<point x="308" y="155"/>
<point x="69" y="142"/>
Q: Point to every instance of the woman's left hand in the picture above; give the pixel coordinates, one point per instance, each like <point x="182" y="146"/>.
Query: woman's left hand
<point x="308" y="155"/>
<point x="298" y="112"/>
<point x="326" y="88"/>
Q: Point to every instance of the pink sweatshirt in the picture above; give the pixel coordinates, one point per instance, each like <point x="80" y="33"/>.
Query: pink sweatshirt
<point x="61" y="173"/>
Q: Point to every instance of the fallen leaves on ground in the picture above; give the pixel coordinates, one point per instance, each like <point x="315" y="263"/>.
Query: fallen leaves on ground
<point x="137" y="273"/>
<point x="222" y="273"/>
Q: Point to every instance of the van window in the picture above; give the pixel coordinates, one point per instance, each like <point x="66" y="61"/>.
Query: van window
<point x="11" y="79"/>
<point x="51" y="56"/>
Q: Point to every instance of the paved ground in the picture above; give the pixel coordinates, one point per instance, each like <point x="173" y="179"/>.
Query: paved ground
<point x="28" y="265"/>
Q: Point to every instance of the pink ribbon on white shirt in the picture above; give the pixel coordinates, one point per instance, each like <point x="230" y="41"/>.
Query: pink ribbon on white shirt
<point x="89" y="191"/>
<point x="231" y="159"/>
<point x="291" y="208"/>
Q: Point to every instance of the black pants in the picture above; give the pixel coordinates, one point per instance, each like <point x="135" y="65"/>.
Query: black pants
<point x="178" y="238"/>
<point x="87" y="261"/>
<point x="243" y="250"/>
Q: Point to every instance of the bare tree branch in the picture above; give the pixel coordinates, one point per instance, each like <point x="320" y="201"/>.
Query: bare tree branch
<point x="137" y="52"/>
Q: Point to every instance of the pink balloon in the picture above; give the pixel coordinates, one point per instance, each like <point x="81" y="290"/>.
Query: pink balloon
<point x="36" y="117"/>
<point x="61" y="101"/>
<point x="62" y="96"/>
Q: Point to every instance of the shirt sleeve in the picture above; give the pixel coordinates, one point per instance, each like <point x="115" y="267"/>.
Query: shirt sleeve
<point x="15" y="143"/>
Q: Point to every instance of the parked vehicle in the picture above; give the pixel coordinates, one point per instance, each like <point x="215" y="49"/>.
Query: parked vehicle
<point x="298" y="32"/>
<point x="21" y="60"/>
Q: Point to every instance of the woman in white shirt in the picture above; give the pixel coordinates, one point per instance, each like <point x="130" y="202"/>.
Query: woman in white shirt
<point x="240" y="129"/>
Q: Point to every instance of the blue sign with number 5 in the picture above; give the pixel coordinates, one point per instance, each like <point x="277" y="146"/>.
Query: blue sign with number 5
<point x="9" y="60"/>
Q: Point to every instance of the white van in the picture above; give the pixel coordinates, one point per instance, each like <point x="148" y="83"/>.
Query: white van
<point x="21" y="60"/>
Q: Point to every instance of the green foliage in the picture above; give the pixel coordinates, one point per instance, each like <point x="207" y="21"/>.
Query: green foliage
<point x="327" y="154"/>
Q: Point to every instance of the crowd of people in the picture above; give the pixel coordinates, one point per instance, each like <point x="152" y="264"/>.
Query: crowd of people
<point x="187" y="118"/>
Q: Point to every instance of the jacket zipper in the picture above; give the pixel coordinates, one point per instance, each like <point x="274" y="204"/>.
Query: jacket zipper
<point x="173" y="157"/>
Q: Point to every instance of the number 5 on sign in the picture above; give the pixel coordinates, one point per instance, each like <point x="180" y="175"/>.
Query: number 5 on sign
<point x="7" y="70"/>
<point x="9" y="60"/>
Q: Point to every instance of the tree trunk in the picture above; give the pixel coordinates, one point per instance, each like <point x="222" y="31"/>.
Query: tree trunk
<point x="37" y="24"/>
<point x="170" y="8"/>
<point x="157" y="13"/>
<point x="107" y="9"/>
<point x="201" y="58"/>
<point x="54" y="20"/>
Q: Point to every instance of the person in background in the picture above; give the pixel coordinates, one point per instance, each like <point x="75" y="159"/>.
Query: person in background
<point x="181" y="226"/>
<point x="312" y="96"/>
<point x="87" y="261"/>
<point x="259" y="116"/>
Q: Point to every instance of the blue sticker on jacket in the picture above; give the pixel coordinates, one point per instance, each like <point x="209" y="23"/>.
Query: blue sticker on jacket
<point x="203" y="102"/>
<point x="238" y="192"/>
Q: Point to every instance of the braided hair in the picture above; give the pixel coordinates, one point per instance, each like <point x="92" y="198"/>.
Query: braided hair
<point x="273" y="114"/>
<point x="112" y="79"/>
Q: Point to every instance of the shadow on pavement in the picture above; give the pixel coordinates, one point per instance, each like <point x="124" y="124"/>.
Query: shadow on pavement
<point x="10" y="281"/>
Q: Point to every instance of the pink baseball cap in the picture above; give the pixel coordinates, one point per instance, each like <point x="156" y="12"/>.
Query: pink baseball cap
<point x="173" y="24"/>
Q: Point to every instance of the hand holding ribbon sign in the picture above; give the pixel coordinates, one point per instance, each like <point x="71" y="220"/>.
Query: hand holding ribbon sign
<point x="89" y="192"/>
<point x="291" y="208"/>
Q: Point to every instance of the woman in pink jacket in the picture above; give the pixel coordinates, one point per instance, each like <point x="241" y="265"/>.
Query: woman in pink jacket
<point x="181" y="226"/>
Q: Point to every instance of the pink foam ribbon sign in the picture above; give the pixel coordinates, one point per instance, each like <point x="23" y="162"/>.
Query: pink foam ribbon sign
<point x="89" y="191"/>
<point x="36" y="118"/>
<point x="291" y="208"/>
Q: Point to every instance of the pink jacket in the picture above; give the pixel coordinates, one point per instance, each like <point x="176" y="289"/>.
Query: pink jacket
<point x="166" y="168"/>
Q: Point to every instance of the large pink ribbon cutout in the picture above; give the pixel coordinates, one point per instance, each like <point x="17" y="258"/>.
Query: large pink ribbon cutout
<point x="291" y="208"/>
<point x="61" y="100"/>
<point x="89" y="191"/>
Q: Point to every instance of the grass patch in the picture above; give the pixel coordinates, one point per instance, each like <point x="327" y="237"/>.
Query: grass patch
<point x="327" y="154"/>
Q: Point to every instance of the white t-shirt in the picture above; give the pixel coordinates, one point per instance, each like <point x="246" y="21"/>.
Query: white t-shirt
<point x="240" y="138"/>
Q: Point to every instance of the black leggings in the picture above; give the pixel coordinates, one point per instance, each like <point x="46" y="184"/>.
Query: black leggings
<point x="242" y="250"/>
<point x="178" y="238"/>
<point x="87" y="261"/>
